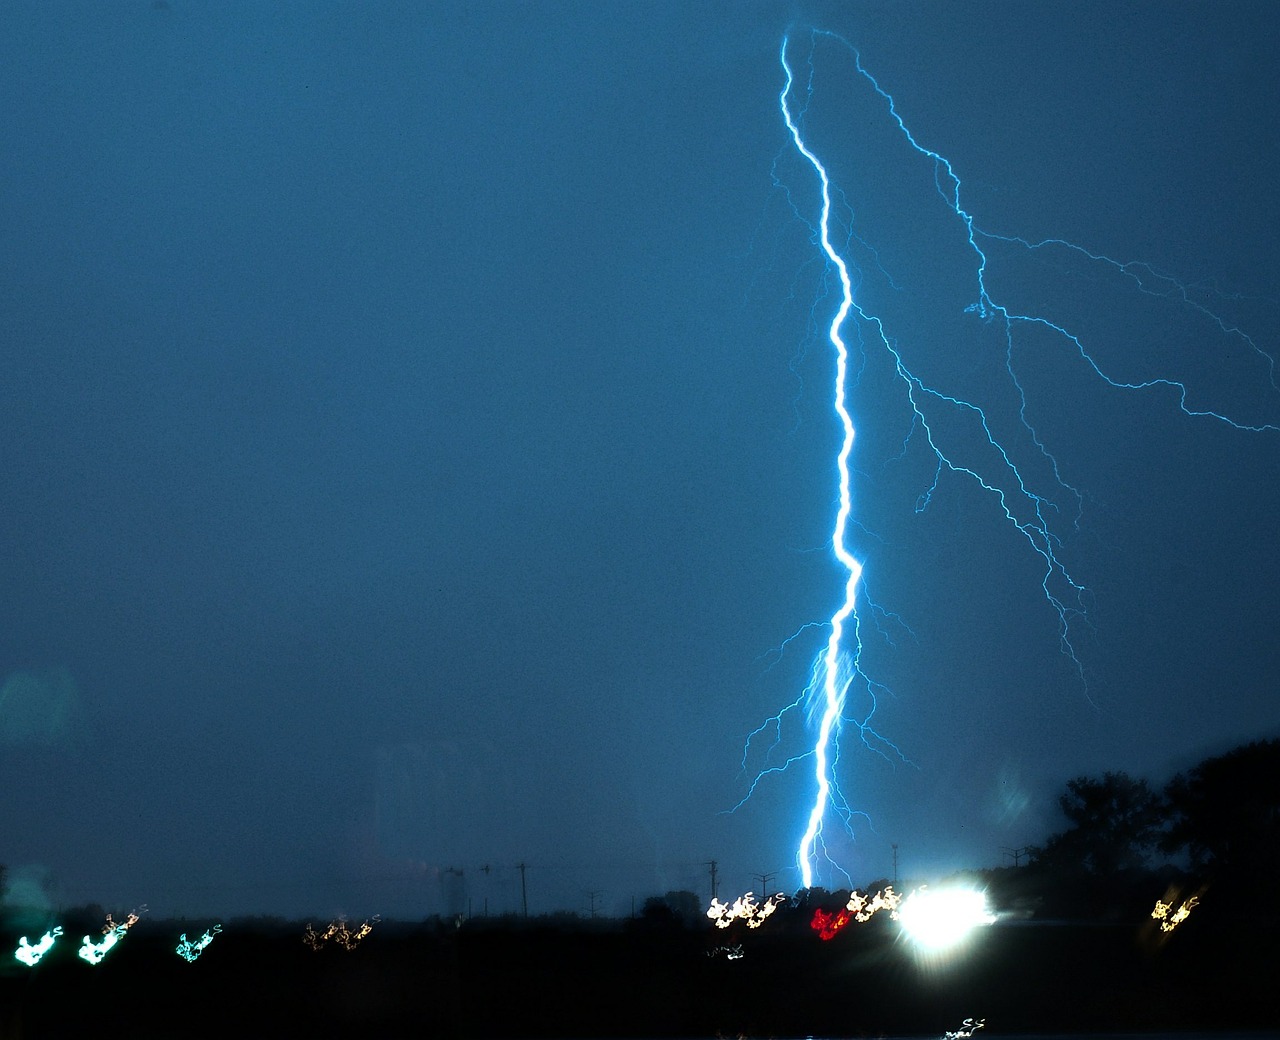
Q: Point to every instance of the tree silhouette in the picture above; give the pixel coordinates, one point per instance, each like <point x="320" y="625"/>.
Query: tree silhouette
<point x="1225" y="813"/>
<point x="675" y="907"/>
<point x="1115" y="823"/>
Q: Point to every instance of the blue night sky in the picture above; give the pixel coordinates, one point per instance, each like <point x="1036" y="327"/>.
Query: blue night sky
<point x="418" y="444"/>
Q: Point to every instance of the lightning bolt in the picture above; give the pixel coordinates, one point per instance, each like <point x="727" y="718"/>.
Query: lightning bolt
<point x="830" y="677"/>
<point x="1001" y="466"/>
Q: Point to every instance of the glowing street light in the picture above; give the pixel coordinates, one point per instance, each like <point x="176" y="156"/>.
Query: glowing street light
<point x="938" y="919"/>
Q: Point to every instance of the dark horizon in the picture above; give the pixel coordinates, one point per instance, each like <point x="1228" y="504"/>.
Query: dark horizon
<point x="1093" y="974"/>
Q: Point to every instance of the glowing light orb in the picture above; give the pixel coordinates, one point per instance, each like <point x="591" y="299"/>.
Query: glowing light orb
<point x="944" y="917"/>
<point x="744" y="908"/>
<point x="29" y="954"/>
<point x="189" y="951"/>
<point x="1168" y="917"/>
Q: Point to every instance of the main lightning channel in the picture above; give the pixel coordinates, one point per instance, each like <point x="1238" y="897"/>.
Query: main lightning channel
<point x="834" y="679"/>
<point x="1029" y="511"/>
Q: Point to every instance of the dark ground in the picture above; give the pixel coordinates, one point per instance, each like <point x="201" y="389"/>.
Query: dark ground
<point x="653" y="977"/>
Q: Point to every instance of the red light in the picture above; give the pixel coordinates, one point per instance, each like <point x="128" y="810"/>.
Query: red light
<point x="826" y="925"/>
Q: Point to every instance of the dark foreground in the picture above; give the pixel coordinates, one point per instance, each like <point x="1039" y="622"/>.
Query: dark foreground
<point x="510" y="978"/>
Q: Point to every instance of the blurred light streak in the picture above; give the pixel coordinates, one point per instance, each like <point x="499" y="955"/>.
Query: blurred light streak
<point x="189" y="951"/>
<point x="860" y="908"/>
<point x="1168" y="917"/>
<point x="339" y="933"/>
<point x="744" y="908"/>
<point x="112" y="933"/>
<point x="29" y="954"/>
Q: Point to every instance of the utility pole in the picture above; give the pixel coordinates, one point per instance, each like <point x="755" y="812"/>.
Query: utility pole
<point x="764" y="880"/>
<point x="524" y="893"/>
<point x="715" y="884"/>
<point x="1015" y="854"/>
<point x="591" y="894"/>
<point x="895" y="862"/>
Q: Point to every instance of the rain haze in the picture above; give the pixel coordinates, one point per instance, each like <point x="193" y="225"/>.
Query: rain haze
<point x="419" y="458"/>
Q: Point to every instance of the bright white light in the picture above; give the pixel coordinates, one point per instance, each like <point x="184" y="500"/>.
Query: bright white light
<point x="939" y="918"/>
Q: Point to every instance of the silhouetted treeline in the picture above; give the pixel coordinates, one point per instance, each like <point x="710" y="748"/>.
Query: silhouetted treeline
<point x="1212" y="833"/>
